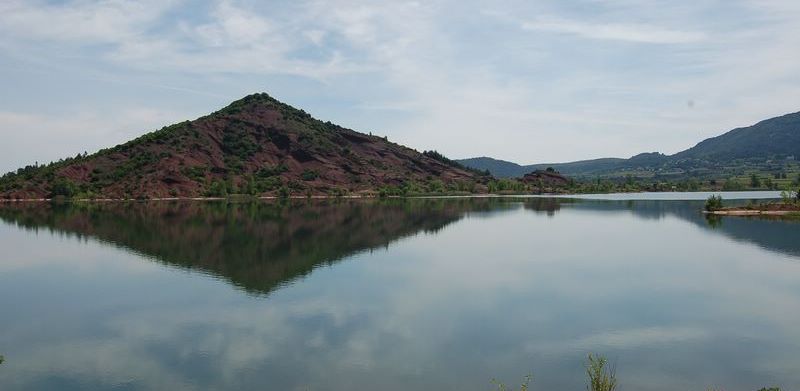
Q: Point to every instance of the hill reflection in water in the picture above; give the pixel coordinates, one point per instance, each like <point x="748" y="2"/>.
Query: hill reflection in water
<point x="421" y="294"/>
<point x="260" y="246"/>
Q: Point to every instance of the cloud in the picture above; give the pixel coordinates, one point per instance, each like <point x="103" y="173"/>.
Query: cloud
<point x="73" y="134"/>
<point x="81" y="22"/>
<point x="529" y="81"/>
<point x="143" y="35"/>
<point x="233" y="26"/>
<point x="628" y="339"/>
<point x="642" y="33"/>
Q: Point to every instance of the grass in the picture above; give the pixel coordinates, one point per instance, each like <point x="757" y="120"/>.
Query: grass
<point x="601" y="377"/>
<point x="523" y="387"/>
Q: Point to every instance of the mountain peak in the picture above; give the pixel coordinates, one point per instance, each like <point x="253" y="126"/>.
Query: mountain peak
<point x="258" y="98"/>
<point x="255" y="145"/>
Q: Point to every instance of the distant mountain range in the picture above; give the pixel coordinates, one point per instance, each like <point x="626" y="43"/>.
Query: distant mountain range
<point x="260" y="146"/>
<point x="768" y="145"/>
<point x="256" y="145"/>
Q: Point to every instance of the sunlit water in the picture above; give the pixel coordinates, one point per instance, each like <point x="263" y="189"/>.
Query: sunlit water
<point x="395" y="295"/>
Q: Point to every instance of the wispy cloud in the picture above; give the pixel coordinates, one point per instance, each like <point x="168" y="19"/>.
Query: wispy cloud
<point x="81" y="22"/>
<point x="233" y="38"/>
<point x="642" y="33"/>
<point x="528" y="81"/>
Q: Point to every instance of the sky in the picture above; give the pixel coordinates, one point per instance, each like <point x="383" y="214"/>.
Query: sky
<point x="525" y="81"/>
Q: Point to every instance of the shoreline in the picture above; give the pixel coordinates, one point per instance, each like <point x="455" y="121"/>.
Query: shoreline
<point x="587" y="196"/>
<point x="36" y="200"/>
<point x="751" y="212"/>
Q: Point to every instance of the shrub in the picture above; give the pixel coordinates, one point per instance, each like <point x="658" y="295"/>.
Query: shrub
<point x="436" y="186"/>
<point x="506" y="185"/>
<point x="309" y="175"/>
<point x="267" y="172"/>
<point x="267" y="184"/>
<point x="283" y="192"/>
<point x="337" y="192"/>
<point x="249" y="186"/>
<point x="732" y="185"/>
<point x="238" y="142"/>
<point x="713" y="203"/>
<point x="755" y="181"/>
<point x="63" y="187"/>
<point x="196" y="173"/>
<point x="790" y="196"/>
<point x="217" y="189"/>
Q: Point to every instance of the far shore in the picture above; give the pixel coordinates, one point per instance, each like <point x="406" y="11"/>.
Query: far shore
<point x="32" y="200"/>
<point x="248" y="198"/>
<point x="780" y="208"/>
<point x="368" y="195"/>
<point x="752" y="212"/>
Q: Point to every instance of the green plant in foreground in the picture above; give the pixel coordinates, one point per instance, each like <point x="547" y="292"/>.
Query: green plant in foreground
<point x="601" y="376"/>
<point x="760" y="389"/>
<point x="523" y="387"/>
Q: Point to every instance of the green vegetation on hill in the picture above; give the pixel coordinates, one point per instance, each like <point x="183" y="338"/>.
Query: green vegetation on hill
<point x="498" y="168"/>
<point x="258" y="146"/>
<point x="776" y="138"/>
<point x="254" y="146"/>
<point x="770" y="148"/>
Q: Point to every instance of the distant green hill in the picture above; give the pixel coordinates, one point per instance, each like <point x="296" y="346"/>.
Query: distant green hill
<point x="505" y="169"/>
<point x="769" y="146"/>
<point x="498" y="168"/>
<point x="775" y="138"/>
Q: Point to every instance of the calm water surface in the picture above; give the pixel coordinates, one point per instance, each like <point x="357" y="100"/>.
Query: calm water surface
<point x="395" y="295"/>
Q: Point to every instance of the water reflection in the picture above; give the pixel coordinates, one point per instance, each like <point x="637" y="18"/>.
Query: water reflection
<point x="774" y="234"/>
<point x="475" y="289"/>
<point x="258" y="246"/>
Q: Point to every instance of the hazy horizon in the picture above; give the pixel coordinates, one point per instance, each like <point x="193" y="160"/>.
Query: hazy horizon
<point x="528" y="82"/>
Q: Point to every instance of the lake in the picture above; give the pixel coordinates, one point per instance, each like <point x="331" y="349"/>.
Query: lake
<point x="419" y="294"/>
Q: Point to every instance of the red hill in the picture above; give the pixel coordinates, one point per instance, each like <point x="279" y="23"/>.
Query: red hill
<point x="257" y="145"/>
